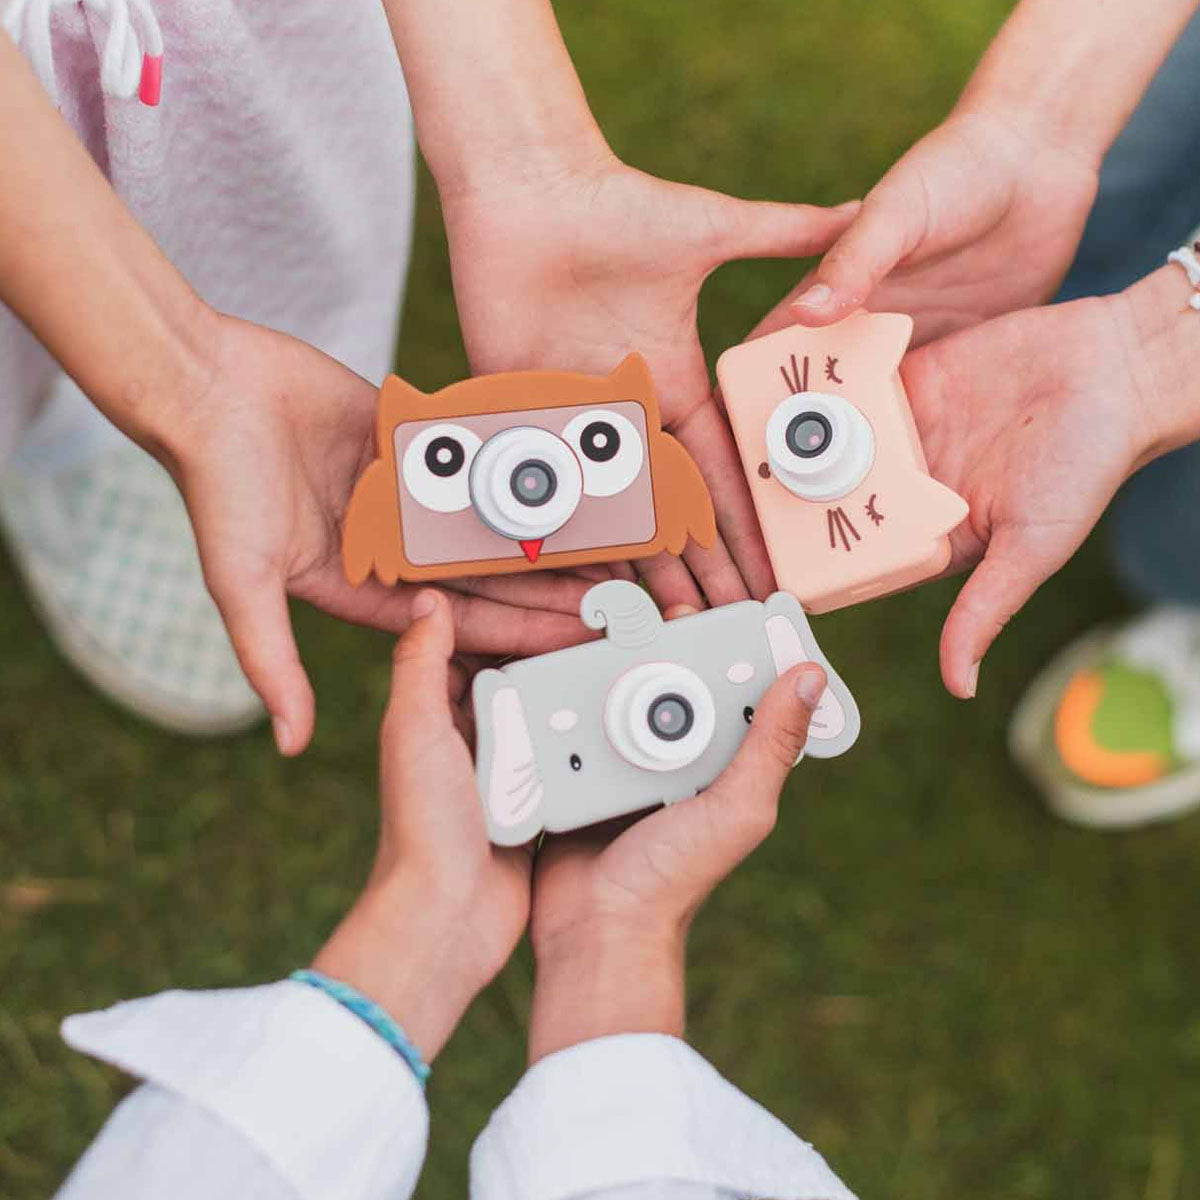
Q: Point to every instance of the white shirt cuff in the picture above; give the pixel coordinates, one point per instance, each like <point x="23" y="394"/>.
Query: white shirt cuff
<point x="322" y="1097"/>
<point x="635" y="1108"/>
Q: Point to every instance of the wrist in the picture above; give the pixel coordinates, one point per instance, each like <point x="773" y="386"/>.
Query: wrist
<point x="408" y="953"/>
<point x="605" y="983"/>
<point x="1162" y="339"/>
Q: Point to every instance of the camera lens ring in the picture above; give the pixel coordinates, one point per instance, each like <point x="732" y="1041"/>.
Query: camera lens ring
<point x="494" y="477"/>
<point x="631" y="702"/>
<point x="834" y="467"/>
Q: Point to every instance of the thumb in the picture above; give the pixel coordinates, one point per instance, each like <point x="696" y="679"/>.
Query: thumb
<point x="421" y="671"/>
<point x="255" y="612"/>
<point x="744" y="801"/>
<point x="763" y="229"/>
<point x="998" y="588"/>
<point x="888" y="228"/>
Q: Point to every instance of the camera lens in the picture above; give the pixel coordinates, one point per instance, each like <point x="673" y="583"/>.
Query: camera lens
<point x="660" y="716"/>
<point x="819" y="446"/>
<point x="808" y="435"/>
<point x="671" y="717"/>
<point x="533" y="483"/>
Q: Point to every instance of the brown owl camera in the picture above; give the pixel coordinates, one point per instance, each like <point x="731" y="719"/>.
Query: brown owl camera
<point x="522" y="471"/>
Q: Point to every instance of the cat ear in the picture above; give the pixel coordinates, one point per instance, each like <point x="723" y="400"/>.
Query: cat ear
<point x="398" y="401"/>
<point x="632" y="379"/>
<point x="888" y="335"/>
<point x="942" y="510"/>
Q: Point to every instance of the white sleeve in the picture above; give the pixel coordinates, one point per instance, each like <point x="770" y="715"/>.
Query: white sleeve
<point x="640" y="1117"/>
<point x="278" y="1084"/>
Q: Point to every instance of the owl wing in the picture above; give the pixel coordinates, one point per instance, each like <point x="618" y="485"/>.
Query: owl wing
<point x="371" y="531"/>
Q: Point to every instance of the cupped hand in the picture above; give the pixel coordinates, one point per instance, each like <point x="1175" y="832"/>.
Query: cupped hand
<point x="612" y="905"/>
<point x="443" y="909"/>
<point x="266" y="459"/>
<point x="981" y="217"/>
<point x="575" y="270"/>
<point x="1035" y="419"/>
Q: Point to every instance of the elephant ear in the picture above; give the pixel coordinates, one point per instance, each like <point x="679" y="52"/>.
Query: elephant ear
<point x="509" y="779"/>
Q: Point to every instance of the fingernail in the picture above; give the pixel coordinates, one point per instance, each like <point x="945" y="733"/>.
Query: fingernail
<point x="810" y="686"/>
<point x="817" y="296"/>
<point x="425" y="604"/>
<point x="283" y="734"/>
<point x="680" y="610"/>
<point x="849" y="206"/>
<point x="972" y="681"/>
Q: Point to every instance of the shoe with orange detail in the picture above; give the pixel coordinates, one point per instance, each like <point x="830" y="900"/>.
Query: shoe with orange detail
<point x="1110" y="731"/>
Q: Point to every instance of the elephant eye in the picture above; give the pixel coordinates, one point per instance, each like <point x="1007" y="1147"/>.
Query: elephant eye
<point x="747" y="714"/>
<point x="576" y="763"/>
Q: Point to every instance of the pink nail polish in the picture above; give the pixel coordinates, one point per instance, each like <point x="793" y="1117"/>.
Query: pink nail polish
<point x="150" y="90"/>
<point x="817" y="296"/>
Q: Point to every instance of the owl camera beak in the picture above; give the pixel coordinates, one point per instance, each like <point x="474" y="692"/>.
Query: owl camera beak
<point x="532" y="548"/>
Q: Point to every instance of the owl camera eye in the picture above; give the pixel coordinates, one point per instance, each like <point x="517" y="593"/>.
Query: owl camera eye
<point x="610" y="450"/>
<point x="434" y="467"/>
<point x="660" y="716"/>
<point x="525" y="483"/>
<point x="820" y="447"/>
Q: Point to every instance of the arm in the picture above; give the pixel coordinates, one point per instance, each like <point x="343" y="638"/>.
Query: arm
<point x="564" y="257"/>
<point x="615" y="1104"/>
<point x="281" y="1084"/>
<point x="264" y="434"/>
<point x="984" y="215"/>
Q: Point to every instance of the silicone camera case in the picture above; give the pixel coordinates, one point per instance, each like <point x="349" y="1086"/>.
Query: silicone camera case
<point x="508" y="473"/>
<point x="648" y="716"/>
<point x="847" y="506"/>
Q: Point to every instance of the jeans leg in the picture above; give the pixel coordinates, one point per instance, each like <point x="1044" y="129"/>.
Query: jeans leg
<point x="1149" y="199"/>
<point x="1149" y="203"/>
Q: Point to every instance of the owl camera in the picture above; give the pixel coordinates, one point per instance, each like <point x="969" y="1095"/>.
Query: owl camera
<point x="648" y="716"/>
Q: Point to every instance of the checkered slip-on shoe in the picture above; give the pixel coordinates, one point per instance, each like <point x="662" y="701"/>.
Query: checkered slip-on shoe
<point x="107" y="552"/>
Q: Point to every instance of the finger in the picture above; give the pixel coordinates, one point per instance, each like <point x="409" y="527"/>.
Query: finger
<point x="255" y="612"/>
<point x="996" y="591"/>
<point x="679" y="610"/>
<point x="669" y="581"/>
<point x="764" y="229"/>
<point x="547" y="591"/>
<point x="705" y="434"/>
<point x="888" y="228"/>
<point x="743" y="803"/>
<point x="421" y="671"/>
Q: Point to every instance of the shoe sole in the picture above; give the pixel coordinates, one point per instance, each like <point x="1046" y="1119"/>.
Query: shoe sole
<point x="1033" y="750"/>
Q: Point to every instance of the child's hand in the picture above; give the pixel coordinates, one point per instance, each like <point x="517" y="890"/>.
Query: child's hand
<point x="979" y="218"/>
<point x="266" y="458"/>
<point x="443" y="909"/>
<point x="611" y="913"/>
<point x="574" y="269"/>
<point x="1036" y="419"/>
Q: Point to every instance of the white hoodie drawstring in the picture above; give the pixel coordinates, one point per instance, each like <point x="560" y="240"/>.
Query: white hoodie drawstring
<point x="129" y="65"/>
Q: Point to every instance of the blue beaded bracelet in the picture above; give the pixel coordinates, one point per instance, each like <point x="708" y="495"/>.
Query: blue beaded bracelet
<point x="370" y="1012"/>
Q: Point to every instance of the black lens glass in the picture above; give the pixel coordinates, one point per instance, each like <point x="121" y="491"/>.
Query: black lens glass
<point x="671" y="717"/>
<point x="809" y="435"/>
<point x="533" y="483"/>
<point x="444" y="457"/>
<point x="600" y="441"/>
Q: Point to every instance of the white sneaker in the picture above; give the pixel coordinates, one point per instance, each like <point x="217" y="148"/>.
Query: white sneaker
<point x="107" y="553"/>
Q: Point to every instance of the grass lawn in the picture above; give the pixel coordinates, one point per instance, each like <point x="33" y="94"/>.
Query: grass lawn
<point x="921" y="972"/>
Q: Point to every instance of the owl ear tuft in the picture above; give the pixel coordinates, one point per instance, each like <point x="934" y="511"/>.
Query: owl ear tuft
<point x="398" y="401"/>
<point x="633" y="379"/>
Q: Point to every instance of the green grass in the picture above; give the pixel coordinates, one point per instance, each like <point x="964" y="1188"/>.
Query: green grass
<point x="948" y="992"/>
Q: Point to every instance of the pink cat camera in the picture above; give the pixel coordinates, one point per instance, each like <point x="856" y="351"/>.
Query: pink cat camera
<point x="847" y="506"/>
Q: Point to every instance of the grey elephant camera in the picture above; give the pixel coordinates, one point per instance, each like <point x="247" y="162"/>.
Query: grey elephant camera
<point x="649" y="716"/>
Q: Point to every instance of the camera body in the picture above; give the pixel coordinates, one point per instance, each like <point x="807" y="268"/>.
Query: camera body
<point x="648" y="716"/>
<point x="520" y="471"/>
<point x="844" y="497"/>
